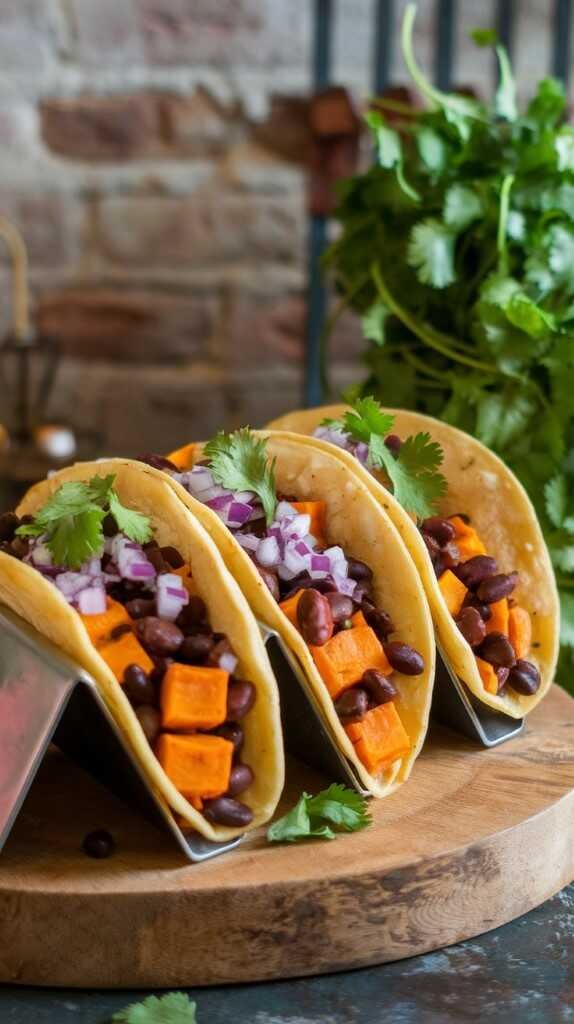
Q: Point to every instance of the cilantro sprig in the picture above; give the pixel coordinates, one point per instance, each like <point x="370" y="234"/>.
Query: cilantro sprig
<point x="313" y="816"/>
<point x="414" y="473"/>
<point x="173" y="1008"/>
<point x="72" y="521"/>
<point x="466" y="291"/>
<point x="239" y="461"/>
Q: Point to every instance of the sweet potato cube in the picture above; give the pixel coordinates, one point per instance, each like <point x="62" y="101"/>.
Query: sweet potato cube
<point x="488" y="675"/>
<point x="520" y="631"/>
<point x="498" y="621"/>
<point x="453" y="591"/>
<point x="183" y="457"/>
<point x="199" y="766"/>
<point x="124" y="651"/>
<point x="467" y="540"/>
<point x="358" y="619"/>
<point x="193" y="697"/>
<point x="317" y="510"/>
<point x="379" y="738"/>
<point x="289" y="607"/>
<point x="186" y="577"/>
<point x="343" y="659"/>
<point x="100" y="626"/>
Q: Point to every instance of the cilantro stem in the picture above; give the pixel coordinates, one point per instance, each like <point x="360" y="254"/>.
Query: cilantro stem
<point x="423" y="367"/>
<point x="423" y="332"/>
<point x="505" y="190"/>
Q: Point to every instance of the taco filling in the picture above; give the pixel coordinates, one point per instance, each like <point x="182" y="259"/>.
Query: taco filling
<point x="477" y="595"/>
<point x="326" y="595"/>
<point x="139" y="605"/>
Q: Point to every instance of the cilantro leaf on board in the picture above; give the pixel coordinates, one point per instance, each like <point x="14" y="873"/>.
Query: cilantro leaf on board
<point x="173" y="1008"/>
<point x="239" y="462"/>
<point x="336" y="805"/>
<point x="72" y="520"/>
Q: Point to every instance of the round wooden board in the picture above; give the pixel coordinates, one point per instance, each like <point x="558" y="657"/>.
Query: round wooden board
<point x="476" y="838"/>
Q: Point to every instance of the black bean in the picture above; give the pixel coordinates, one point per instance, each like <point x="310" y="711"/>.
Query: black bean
<point x="196" y="647"/>
<point x="380" y="689"/>
<point x="404" y="659"/>
<point x="341" y="606"/>
<point x="432" y="545"/>
<point x="240" y="779"/>
<point x="270" y="580"/>
<point x="363" y="592"/>
<point x="353" y="704"/>
<point x="9" y="523"/>
<point x="172" y="557"/>
<point x="393" y="443"/>
<point x="475" y="570"/>
<point x="99" y="844"/>
<point x="156" y="558"/>
<point x="494" y="588"/>
<point x="378" y="620"/>
<point x="226" y="811"/>
<point x="159" y="635"/>
<point x="150" y="720"/>
<point x="19" y="547"/>
<point x="502" y="676"/>
<point x="314" y="617"/>
<point x="233" y="732"/>
<point x="221" y="647"/>
<point x="109" y="526"/>
<point x="139" y="607"/>
<point x="441" y="529"/>
<point x="194" y="613"/>
<point x="325" y="586"/>
<point x="161" y="666"/>
<point x="471" y="625"/>
<point x="138" y="687"/>
<point x="241" y="696"/>
<point x="158" y="462"/>
<point x="484" y="610"/>
<point x="120" y="630"/>
<point x="497" y="650"/>
<point x="357" y="570"/>
<point x="524" y="677"/>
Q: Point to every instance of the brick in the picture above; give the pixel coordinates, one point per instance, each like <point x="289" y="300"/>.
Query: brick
<point x="253" y="167"/>
<point x="51" y="224"/>
<point x="204" y="230"/>
<point x="286" y="130"/>
<point x="133" y="326"/>
<point x="28" y="35"/>
<point x="266" y="331"/>
<point x="101" y="128"/>
<point x="198" y="124"/>
<point x="255" y="398"/>
<point x="107" y="33"/>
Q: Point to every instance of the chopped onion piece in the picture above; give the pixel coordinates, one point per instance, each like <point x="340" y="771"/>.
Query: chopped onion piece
<point x="238" y="513"/>
<point x="91" y="601"/>
<point x="333" y="436"/>
<point x="321" y="563"/>
<point x="248" y="541"/>
<point x="168" y="604"/>
<point x="268" y="552"/>
<point x="284" y="508"/>
<point x="228" y="662"/>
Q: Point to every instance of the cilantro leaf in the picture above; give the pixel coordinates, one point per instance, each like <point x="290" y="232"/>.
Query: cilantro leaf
<point x="339" y="806"/>
<point x="72" y="520"/>
<point x="417" y="484"/>
<point x="173" y="1008"/>
<point x="239" y="462"/>
<point x="373" y="322"/>
<point x="431" y="252"/>
<point x="555" y="498"/>
<point x="134" y="524"/>
<point x="462" y="206"/>
<point x="566" y="618"/>
<point x="367" y="418"/>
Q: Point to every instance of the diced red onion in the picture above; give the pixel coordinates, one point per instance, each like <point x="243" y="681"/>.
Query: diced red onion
<point x="71" y="583"/>
<point x="131" y="560"/>
<point x="168" y="604"/>
<point x="284" y="508"/>
<point x="247" y="541"/>
<point x="268" y="552"/>
<point x="320" y="563"/>
<point x="219" y="502"/>
<point x="300" y="525"/>
<point x="362" y="452"/>
<point x="142" y="570"/>
<point x="228" y="661"/>
<point x="345" y="585"/>
<point x="41" y="556"/>
<point x="238" y="513"/>
<point x="332" y="435"/>
<point x="197" y="481"/>
<point x="91" y="601"/>
<point x="214" y="492"/>
<point x="286" y="574"/>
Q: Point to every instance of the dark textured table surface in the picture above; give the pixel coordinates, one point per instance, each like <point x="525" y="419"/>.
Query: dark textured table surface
<point x="523" y="972"/>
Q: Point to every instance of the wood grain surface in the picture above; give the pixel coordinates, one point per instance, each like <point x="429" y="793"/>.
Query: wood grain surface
<point x="475" y="838"/>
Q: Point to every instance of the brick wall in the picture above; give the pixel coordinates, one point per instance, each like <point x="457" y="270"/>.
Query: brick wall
<point x="152" y="155"/>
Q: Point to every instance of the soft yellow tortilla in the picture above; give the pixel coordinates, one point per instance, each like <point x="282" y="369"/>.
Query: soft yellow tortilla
<point x="357" y="522"/>
<point x="38" y="601"/>
<point x="483" y="487"/>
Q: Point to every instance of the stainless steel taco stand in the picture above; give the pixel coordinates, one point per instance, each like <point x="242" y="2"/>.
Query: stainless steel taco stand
<point x="455" y="706"/>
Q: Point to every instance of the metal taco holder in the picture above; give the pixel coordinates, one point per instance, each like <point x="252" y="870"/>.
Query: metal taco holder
<point x="454" y="706"/>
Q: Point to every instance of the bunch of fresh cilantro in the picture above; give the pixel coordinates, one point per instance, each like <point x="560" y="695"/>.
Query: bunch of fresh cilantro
<point x="457" y="249"/>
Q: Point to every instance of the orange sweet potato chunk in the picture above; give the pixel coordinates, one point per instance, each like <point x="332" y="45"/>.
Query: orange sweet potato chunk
<point x="343" y="659"/>
<point x="488" y="676"/>
<point x="193" y="697"/>
<point x="467" y="539"/>
<point x="520" y="631"/>
<point x="186" y="577"/>
<point x="453" y="591"/>
<point x="358" y="619"/>
<point x="379" y="738"/>
<point x="199" y="766"/>
<point x="100" y="626"/>
<point x="289" y="607"/>
<point x="498" y="621"/>
<point x="124" y="651"/>
<point x="317" y="510"/>
<point x="183" y="457"/>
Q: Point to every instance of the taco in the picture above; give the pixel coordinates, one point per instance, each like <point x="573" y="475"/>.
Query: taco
<point x="476" y="542"/>
<point x="321" y="562"/>
<point x="104" y="561"/>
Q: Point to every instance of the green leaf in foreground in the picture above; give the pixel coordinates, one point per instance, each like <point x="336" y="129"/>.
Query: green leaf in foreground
<point x="239" y="462"/>
<point x="417" y="483"/>
<point x="312" y="816"/>
<point x="174" y="1008"/>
